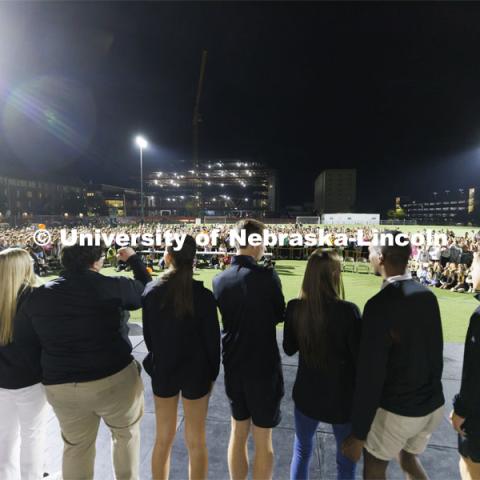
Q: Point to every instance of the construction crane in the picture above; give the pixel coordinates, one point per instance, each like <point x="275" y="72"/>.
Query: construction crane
<point x="196" y="110"/>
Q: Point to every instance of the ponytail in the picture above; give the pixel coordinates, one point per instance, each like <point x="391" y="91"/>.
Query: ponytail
<point x="180" y="290"/>
<point x="179" y="279"/>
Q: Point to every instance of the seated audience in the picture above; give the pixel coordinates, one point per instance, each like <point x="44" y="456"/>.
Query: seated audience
<point x="448" y="278"/>
<point x="422" y="273"/>
<point x="461" y="285"/>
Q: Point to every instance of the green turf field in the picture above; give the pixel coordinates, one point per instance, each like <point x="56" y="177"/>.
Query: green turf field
<point x="456" y="308"/>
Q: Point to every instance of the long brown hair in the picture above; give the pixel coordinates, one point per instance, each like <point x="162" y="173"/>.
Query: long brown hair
<point x="179" y="278"/>
<point x="322" y="285"/>
<point x="16" y="274"/>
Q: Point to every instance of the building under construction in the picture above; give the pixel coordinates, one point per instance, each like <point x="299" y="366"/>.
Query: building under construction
<point x="215" y="188"/>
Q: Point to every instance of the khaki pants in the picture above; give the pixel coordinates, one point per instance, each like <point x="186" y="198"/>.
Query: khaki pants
<point x="118" y="400"/>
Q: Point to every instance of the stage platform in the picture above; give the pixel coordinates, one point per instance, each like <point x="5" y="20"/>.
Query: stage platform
<point x="440" y="459"/>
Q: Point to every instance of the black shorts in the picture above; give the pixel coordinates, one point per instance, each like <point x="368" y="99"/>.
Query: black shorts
<point x="469" y="447"/>
<point x="255" y="398"/>
<point x="191" y="389"/>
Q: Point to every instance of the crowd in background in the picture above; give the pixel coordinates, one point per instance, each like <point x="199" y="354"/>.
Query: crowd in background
<point x="447" y="267"/>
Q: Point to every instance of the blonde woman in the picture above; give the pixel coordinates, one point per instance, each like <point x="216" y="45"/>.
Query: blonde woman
<point x="22" y="396"/>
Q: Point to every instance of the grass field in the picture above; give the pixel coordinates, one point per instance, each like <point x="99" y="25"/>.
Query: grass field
<point x="456" y="308"/>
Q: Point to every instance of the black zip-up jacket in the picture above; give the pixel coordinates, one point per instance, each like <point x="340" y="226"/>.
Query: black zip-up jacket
<point x="252" y="304"/>
<point x="327" y="394"/>
<point x="79" y="322"/>
<point x="467" y="402"/>
<point x="182" y="350"/>
<point x="400" y="361"/>
<point x="18" y="365"/>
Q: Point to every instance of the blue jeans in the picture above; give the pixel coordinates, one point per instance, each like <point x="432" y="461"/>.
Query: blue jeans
<point x="305" y="428"/>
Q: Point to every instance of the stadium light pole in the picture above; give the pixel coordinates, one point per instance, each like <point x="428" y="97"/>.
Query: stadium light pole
<point x="141" y="144"/>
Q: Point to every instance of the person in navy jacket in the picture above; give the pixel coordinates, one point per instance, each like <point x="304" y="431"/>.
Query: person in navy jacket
<point x="252" y="304"/>
<point x="466" y="414"/>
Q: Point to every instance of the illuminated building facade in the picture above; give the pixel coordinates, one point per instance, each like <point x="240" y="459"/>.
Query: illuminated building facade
<point x="445" y="207"/>
<point x="215" y="188"/>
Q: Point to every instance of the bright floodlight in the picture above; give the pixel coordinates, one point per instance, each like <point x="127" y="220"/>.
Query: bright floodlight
<point x="141" y="142"/>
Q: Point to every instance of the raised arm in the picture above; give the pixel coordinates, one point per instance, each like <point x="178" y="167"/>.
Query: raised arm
<point x="129" y="291"/>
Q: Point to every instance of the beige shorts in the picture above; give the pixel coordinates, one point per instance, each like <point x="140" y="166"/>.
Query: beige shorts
<point x="390" y="433"/>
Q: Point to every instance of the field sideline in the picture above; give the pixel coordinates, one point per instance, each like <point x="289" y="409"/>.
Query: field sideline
<point x="456" y="308"/>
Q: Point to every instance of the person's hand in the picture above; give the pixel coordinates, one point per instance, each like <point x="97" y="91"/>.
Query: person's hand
<point x="352" y="448"/>
<point x="457" y="422"/>
<point x="125" y="253"/>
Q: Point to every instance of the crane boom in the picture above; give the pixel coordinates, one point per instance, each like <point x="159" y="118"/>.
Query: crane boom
<point x="196" y="109"/>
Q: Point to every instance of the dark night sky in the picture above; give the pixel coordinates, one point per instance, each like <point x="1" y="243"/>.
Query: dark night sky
<point x="391" y="89"/>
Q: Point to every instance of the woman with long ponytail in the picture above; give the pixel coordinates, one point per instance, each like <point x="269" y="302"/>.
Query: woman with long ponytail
<point x="325" y="330"/>
<point x="182" y="334"/>
<point x="22" y="396"/>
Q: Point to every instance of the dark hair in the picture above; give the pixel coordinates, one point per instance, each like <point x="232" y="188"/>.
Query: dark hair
<point x="179" y="279"/>
<point x="77" y="258"/>
<point x="322" y="285"/>
<point x="250" y="225"/>
<point x="397" y="255"/>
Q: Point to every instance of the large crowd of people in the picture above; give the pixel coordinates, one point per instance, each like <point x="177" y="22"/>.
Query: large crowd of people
<point x="448" y="267"/>
<point x="443" y="266"/>
<point x="375" y="376"/>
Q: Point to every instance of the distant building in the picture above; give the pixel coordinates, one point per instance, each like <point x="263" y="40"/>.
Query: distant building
<point x="447" y="207"/>
<point x="113" y="201"/>
<point x="335" y="191"/>
<point x="220" y="187"/>
<point x="39" y="195"/>
<point x="20" y="196"/>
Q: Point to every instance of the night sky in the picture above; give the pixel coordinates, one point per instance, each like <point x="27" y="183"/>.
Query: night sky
<point x="390" y="89"/>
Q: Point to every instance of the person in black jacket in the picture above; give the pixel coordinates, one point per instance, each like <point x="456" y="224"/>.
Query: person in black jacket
<point x="466" y="414"/>
<point x="251" y="303"/>
<point x="325" y="330"/>
<point x="79" y="324"/>
<point x="398" y="400"/>
<point x="182" y="334"/>
<point x="22" y="396"/>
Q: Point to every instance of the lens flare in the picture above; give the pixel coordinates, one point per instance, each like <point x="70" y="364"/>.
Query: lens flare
<point x="49" y="120"/>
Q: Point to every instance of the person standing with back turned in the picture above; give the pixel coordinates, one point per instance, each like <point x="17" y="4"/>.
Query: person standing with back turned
<point x="325" y="330"/>
<point x="466" y="413"/>
<point x="78" y="322"/>
<point x="182" y="335"/>
<point x="398" y="400"/>
<point x="251" y="303"/>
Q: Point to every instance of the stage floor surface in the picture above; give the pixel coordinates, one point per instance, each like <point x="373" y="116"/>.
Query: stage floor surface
<point x="440" y="459"/>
